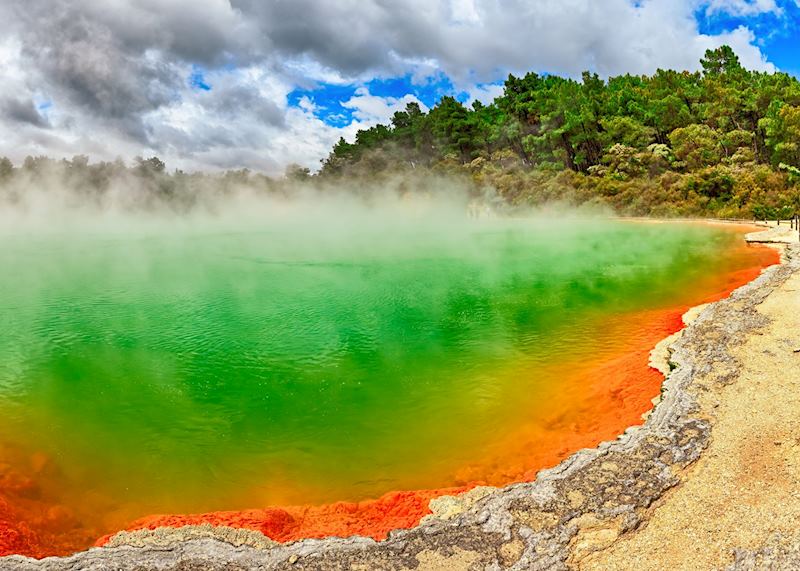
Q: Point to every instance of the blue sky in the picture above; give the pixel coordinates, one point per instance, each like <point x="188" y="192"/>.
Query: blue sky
<point x="214" y="85"/>
<point x="776" y="34"/>
<point x="330" y="99"/>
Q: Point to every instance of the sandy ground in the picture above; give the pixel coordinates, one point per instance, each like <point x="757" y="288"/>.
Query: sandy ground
<point x="776" y="234"/>
<point x="746" y="486"/>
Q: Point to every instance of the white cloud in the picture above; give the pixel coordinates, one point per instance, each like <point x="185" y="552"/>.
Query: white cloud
<point x="464" y="11"/>
<point x="743" y="7"/>
<point x="371" y="109"/>
<point x="116" y="71"/>
<point x="742" y="41"/>
<point x="485" y="93"/>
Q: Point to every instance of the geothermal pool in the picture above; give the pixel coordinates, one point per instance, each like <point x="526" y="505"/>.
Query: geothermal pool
<point x="177" y="368"/>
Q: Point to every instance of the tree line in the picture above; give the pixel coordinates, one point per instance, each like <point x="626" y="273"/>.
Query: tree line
<point x="723" y="141"/>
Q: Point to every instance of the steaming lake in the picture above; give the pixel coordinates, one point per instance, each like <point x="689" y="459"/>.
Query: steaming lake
<point x="177" y="368"/>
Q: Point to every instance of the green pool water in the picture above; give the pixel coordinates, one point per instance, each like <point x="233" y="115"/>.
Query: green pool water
<point x="195" y="366"/>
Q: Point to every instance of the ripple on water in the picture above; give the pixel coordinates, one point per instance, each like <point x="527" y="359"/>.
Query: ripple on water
<point x="188" y="373"/>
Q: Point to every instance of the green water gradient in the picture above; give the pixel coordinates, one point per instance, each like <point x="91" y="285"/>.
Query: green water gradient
<point x="197" y="367"/>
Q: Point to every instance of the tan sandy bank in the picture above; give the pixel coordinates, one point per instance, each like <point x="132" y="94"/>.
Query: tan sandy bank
<point x="745" y="488"/>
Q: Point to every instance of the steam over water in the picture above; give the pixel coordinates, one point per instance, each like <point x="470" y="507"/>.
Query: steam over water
<point x="240" y="361"/>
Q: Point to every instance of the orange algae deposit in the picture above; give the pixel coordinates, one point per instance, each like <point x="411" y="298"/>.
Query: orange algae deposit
<point x="371" y="518"/>
<point x="31" y="522"/>
<point x="596" y="401"/>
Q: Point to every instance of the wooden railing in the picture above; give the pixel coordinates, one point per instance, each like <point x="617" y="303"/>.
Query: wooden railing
<point x="794" y="222"/>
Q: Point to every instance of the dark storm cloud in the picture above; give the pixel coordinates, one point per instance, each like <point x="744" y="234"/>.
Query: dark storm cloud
<point x="236" y="100"/>
<point x="206" y="32"/>
<point x="85" y="63"/>
<point x="121" y="61"/>
<point x="349" y="36"/>
<point x="22" y="111"/>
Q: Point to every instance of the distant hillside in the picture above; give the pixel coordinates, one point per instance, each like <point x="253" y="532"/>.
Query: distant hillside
<point x="721" y="142"/>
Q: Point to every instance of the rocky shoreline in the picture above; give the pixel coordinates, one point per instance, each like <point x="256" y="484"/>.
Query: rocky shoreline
<point x="582" y="506"/>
